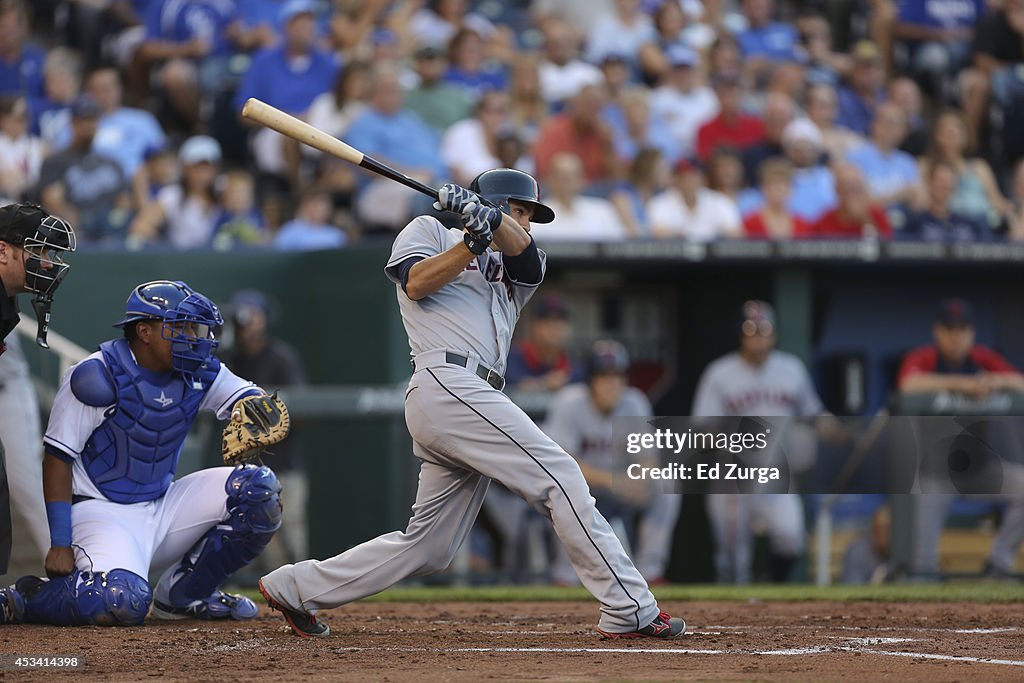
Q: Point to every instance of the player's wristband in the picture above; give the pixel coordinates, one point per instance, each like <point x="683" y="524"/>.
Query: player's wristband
<point x="476" y="243"/>
<point x="58" y="515"/>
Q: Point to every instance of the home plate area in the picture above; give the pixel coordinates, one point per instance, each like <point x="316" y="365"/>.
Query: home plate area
<point x="465" y="641"/>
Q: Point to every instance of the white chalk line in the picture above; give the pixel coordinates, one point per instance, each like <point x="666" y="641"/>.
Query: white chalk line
<point x="734" y="630"/>
<point x="785" y="652"/>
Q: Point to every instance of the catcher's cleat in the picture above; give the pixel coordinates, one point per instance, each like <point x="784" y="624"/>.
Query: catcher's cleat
<point x="303" y="624"/>
<point x="12" y="606"/>
<point x="218" y="606"/>
<point x="663" y="626"/>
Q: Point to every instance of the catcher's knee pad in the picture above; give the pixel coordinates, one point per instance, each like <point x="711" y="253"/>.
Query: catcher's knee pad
<point x="254" y="514"/>
<point x="254" y="499"/>
<point x="115" y="598"/>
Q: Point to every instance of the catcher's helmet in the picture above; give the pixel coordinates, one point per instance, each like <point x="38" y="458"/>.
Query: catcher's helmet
<point x="190" y="321"/>
<point x="501" y="184"/>
<point x="607" y="357"/>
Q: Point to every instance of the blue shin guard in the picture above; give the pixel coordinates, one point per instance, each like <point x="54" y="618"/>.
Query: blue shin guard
<point x="114" y="598"/>
<point x="254" y="514"/>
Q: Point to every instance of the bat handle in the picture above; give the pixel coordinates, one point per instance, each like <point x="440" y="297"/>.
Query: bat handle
<point x="371" y="164"/>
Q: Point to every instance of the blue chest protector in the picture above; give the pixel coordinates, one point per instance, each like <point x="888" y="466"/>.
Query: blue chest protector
<point x="132" y="456"/>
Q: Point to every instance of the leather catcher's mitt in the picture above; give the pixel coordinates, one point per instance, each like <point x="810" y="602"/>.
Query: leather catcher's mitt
<point x="256" y="422"/>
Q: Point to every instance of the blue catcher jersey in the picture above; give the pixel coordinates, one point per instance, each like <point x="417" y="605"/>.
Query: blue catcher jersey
<point x="123" y="426"/>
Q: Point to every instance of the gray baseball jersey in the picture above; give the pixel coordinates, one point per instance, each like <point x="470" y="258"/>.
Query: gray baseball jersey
<point x="466" y="433"/>
<point x="576" y="425"/>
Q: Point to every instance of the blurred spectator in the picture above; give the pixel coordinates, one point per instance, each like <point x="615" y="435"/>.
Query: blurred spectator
<point x="541" y="361"/>
<point x="184" y="214"/>
<point x="682" y="102"/>
<point x="824" y="65"/>
<point x="672" y="30"/>
<point x="288" y="77"/>
<point x="998" y="51"/>
<point x="688" y="210"/>
<point x="725" y="56"/>
<point x="579" y="130"/>
<point x="823" y="109"/>
<point x="334" y="111"/>
<point x="21" y="154"/>
<point x="935" y="37"/>
<point x="310" y="229"/>
<point x="813" y="187"/>
<point x="21" y="62"/>
<point x="189" y="43"/>
<point x="576" y="217"/>
<point x="529" y="109"/>
<point x="62" y="81"/>
<point x="891" y="175"/>
<point x="774" y="220"/>
<point x="124" y="134"/>
<point x="159" y="169"/>
<point x="468" y="67"/>
<point x="441" y="20"/>
<point x="583" y="14"/>
<point x="392" y="134"/>
<point x="1015" y="212"/>
<point x="273" y="365"/>
<point x="977" y="194"/>
<point x="725" y="175"/>
<point x="757" y="379"/>
<point x="562" y="73"/>
<point x="905" y="94"/>
<point x="779" y="110"/>
<point x="954" y="362"/>
<point x="240" y="223"/>
<point x="766" y="40"/>
<point x="88" y="189"/>
<point x="634" y="126"/>
<point x="648" y="176"/>
<point x="436" y="101"/>
<point x="732" y="127"/>
<point x="866" y="560"/>
<point x="856" y="215"/>
<point x="622" y="31"/>
<point x="936" y="222"/>
<point x="470" y="146"/>
<point x="858" y="100"/>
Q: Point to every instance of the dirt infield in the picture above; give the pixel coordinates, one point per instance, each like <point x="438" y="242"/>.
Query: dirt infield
<point x="809" y="641"/>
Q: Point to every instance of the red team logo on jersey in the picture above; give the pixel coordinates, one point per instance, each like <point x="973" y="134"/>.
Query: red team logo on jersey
<point x="493" y="272"/>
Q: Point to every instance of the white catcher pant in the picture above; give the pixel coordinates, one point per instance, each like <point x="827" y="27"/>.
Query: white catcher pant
<point x="22" y="438"/>
<point x="465" y="433"/>
<point x="151" y="535"/>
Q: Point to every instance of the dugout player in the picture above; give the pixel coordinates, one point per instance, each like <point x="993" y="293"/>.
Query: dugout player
<point x="460" y="293"/>
<point x="116" y="430"/>
<point x="32" y="247"/>
<point x="581" y="420"/>
<point x="756" y="380"/>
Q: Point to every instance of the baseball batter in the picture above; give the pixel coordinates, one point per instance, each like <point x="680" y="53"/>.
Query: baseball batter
<point x="118" y="425"/>
<point x="460" y="294"/>
<point x="756" y="380"/>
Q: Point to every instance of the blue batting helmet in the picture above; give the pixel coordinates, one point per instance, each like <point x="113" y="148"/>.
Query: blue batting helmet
<point x="607" y="357"/>
<point x="190" y="321"/>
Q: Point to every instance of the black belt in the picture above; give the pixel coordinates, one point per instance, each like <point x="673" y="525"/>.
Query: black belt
<point x="80" y="499"/>
<point x="485" y="373"/>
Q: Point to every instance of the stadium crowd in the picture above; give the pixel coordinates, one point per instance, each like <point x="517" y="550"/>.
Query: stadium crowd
<point x="676" y="119"/>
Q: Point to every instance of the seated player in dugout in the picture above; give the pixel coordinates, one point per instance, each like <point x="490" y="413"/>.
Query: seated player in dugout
<point x="953" y="362"/>
<point x="115" y="434"/>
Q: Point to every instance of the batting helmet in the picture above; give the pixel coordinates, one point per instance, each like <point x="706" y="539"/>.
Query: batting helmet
<point x="502" y="184"/>
<point x="190" y="321"/>
<point x="757" y="318"/>
<point x="607" y="357"/>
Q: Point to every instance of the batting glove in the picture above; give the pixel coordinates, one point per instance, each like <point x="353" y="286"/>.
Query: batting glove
<point x="452" y="197"/>
<point x="479" y="218"/>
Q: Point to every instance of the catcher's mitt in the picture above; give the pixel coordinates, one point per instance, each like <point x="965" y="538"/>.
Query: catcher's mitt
<point x="256" y="422"/>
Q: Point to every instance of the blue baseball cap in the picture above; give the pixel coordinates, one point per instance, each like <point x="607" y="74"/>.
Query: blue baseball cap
<point x="680" y="55"/>
<point x="293" y="8"/>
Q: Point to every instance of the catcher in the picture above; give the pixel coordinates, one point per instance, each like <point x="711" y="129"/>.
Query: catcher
<point x="116" y="431"/>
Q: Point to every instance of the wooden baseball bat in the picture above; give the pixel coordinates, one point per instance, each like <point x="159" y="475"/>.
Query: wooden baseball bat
<point x="297" y="129"/>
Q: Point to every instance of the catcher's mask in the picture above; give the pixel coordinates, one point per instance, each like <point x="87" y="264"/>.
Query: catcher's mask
<point x="190" y="321"/>
<point x="502" y="184"/>
<point x="45" y="239"/>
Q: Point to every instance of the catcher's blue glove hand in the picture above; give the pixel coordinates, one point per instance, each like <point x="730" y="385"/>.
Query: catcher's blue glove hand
<point x="452" y="197"/>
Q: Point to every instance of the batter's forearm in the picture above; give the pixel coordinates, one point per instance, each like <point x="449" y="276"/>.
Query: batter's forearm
<point x="430" y="275"/>
<point x="510" y="238"/>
